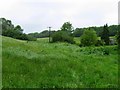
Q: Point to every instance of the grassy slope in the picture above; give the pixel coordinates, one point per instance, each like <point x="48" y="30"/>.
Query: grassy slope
<point x="43" y="64"/>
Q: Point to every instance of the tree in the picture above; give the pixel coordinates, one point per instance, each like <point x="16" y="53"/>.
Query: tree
<point x="118" y="36"/>
<point x="65" y="34"/>
<point x="42" y="34"/>
<point x="118" y="40"/>
<point x="78" y="32"/>
<point x="9" y="30"/>
<point x="105" y="35"/>
<point x="7" y="27"/>
<point x="62" y="36"/>
<point x="89" y="37"/>
<point x="112" y="30"/>
<point x="18" y="29"/>
<point x="67" y="26"/>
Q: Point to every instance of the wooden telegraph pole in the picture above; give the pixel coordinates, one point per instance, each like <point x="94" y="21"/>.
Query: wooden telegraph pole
<point x="49" y="33"/>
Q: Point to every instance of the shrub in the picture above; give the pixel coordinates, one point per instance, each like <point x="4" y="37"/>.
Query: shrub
<point x="62" y="36"/>
<point x="25" y="37"/>
<point x="30" y="38"/>
<point x="89" y="37"/>
<point x="99" y="43"/>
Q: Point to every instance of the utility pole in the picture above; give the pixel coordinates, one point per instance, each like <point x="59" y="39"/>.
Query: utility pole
<point x="49" y="33"/>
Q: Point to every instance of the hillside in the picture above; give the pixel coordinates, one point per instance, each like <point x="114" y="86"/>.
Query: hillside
<point x="39" y="64"/>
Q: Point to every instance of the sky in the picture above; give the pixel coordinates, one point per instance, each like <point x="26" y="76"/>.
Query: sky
<point x="38" y="15"/>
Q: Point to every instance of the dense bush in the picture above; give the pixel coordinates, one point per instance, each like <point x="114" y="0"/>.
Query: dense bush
<point x="62" y="36"/>
<point x="30" y="38"/>
<point x="99" y="43"/>
<point x="89" y="37"/>
<point x="26" y="37"/>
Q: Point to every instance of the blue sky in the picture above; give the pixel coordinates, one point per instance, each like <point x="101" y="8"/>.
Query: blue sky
<point x="37" y="15"/>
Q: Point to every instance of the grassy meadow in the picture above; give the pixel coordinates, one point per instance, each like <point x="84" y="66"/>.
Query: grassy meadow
<point x="39" y="64"/>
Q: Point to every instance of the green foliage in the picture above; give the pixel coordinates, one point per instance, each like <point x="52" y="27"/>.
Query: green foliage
<point x="118" y="35"/>
<point x="67" y="26"/>
<point x="118" y="40"/>
<point x="62" y="36"/>
<point x="16" y="32"/>
<point x="89" y="38"/>
<point x="42" y="34"/>
<point x="105" y="35"/>
<point x="112" y="30"/>
<point x="99" y="43"/>
<point x="106" y="51"/>
<point x="78" y="32"/>
<point x="41" y="64"/>
<point x="30" y="38"/>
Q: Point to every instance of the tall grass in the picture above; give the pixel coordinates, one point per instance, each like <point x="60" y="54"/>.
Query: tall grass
<point x="39" y="64"/>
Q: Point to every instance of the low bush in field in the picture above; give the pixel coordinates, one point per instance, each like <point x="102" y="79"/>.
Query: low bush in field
<point x="62" y="36"/>
<point x="30" y="38"/>
<point x="99" y="43"/>
<point x="89" y="38"/>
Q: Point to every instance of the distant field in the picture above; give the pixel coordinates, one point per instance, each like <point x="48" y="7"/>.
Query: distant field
<point x="39" y="64"/>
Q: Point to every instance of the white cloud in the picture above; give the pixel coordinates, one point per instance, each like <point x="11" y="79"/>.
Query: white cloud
<point x="37" y="15"/>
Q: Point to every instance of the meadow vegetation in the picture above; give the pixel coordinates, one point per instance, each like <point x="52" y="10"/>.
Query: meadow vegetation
<point x="39" y="64"/>
<point x="62" y="60"/>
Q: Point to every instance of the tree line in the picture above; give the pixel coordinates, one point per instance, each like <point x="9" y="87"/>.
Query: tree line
<point x="112" y="30"/>
<point x="77" y="32"/>
<point x="9" y="30"/>
<point x="88" y="36"/>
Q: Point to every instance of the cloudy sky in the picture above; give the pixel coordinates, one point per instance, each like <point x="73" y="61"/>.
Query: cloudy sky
<point x="37" y="15"/>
